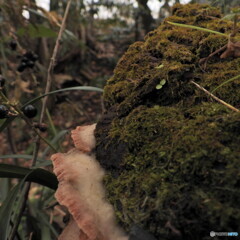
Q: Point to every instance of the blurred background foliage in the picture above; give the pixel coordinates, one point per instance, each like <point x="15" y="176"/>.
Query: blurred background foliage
<point x="97" y="33"/>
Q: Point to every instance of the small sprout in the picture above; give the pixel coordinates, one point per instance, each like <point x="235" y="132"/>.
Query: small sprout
<point x="3" y="111"/>
<point x="234" y="15"/>
<point x="163" y="82"/>
<point x="160" y="66"/>
<point x="30" y="111"/>
<point x="2" y="81"/>
<point x="160" y="85"/>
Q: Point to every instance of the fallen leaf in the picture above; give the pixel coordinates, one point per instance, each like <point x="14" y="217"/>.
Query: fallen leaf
<point x="25" y="86"/>
<point x="233" y="50"/>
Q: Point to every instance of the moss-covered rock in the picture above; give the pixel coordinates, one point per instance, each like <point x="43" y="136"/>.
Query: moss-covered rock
<point x="173" y="154"/>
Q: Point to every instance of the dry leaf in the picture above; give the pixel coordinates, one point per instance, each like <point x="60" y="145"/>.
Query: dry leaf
<point x="233" y="50"/>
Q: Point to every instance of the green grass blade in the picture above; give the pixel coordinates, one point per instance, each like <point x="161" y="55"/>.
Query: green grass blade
<point x="24" y="156"/>
<point x="9" y="210"/>
<point x="198" y="28"/>
<point x="45" y="223"/>
<point x="34" y="100"/>
<point x="45" y="163"/>
<point x="58" y="137"/>
<point x="37" y="175"/>
<point x="84" y="88"/>
<point x="12" y="171"/>
<point x="52" y="127"/>
<point x="42" y="161"/>
<point x="5" y="188"/>
<point x="43" y="177"/>
<point x="230" y="16"/>
<point x="6" y="210"/>
<point x="45" y="231"/>
<point x="226" y="82"/>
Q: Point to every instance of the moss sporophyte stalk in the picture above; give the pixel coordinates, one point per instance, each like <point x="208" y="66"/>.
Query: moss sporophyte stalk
<point x="171" y="152"/>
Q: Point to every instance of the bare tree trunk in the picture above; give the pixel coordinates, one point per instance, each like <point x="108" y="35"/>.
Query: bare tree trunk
<point x="146" y="16"/>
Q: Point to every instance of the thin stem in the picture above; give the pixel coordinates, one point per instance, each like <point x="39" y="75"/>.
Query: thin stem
<point x="52" y="61"/>
<point x="214" y="97"/>
<point x="205" y="60"/>
<point x="19" y="111"/>
<point x="34" y="129"/>
<point x="197" y="28"/>
<point x="228" y="81"/>
<point x="49" y="79"/>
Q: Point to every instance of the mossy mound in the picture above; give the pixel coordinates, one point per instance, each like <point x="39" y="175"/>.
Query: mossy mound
<point x="173" y="154"/>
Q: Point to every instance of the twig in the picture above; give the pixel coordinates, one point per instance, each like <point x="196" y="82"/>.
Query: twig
<point x="49" y="79"/>
<point x="37" y="144"/>
<point x="173" y="228"/>
<point x="33" y="128"/>
<point x="30" y="236"/>
<point x="52" y="61"/>
<point x="214" y="97"/>
<point x="19" y="111"/>
<point x="205" y="60"/>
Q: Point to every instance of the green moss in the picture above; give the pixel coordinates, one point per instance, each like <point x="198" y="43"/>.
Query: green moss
<point x="178" y="169"/>
<point x="179" y="53"/>
<point x="172" y="154"/>
<point x="210" y="44"/>
<point x="181" y="49"/>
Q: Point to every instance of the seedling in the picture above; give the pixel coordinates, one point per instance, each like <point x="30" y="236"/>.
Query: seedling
<point x="160" y="66"/>
<point x="160" y="85"/>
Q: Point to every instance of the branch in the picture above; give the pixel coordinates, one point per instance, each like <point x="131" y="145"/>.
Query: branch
<point x="214" y="97"/>
<point x="52" y="61"/>
<point x="49" y="79"/>
<point x="28" y="122"/>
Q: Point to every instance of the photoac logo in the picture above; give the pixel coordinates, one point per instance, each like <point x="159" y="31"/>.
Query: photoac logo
<point x="212" y="234"/>
<point x="223" y="234"/>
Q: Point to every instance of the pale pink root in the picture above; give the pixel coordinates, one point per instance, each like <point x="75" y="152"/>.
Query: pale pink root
<point x="83" y="138"/>
<point x="68" y="172"/>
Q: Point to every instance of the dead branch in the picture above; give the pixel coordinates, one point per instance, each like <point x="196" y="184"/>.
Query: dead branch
<point x="214" y="97"/>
